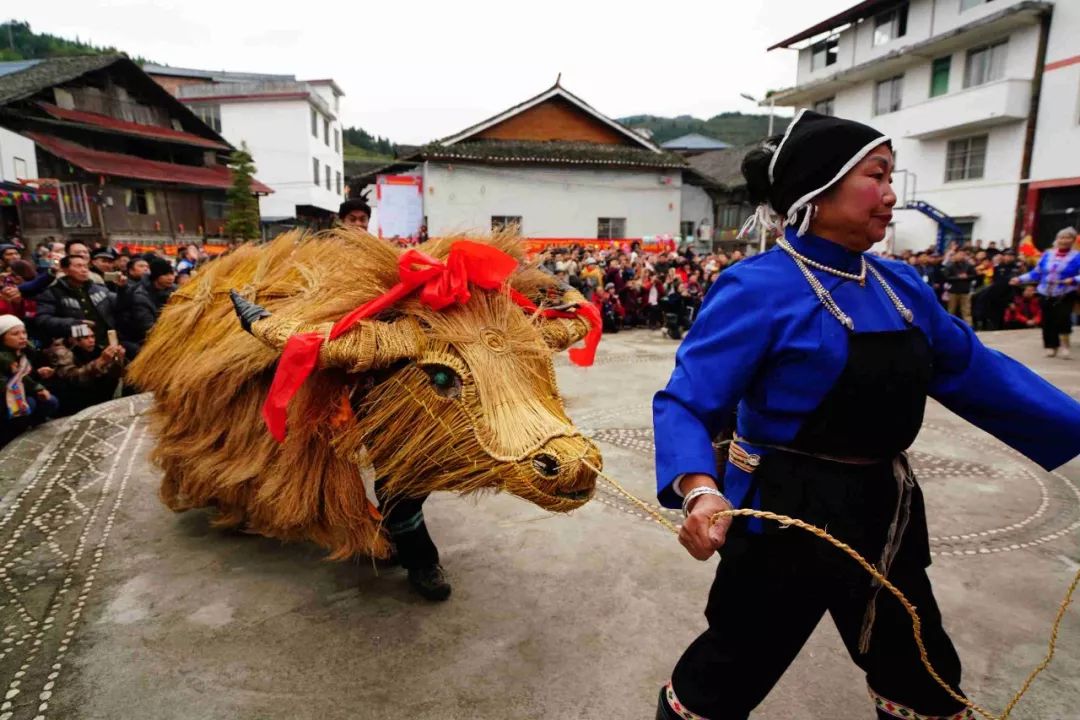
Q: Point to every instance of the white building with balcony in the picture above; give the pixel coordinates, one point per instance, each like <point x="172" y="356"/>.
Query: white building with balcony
<point x="981" y="99"/>
<point x="292" y="129"/>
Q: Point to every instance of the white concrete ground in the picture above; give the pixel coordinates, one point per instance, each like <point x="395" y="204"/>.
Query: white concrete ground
<point x="113" y="607"/>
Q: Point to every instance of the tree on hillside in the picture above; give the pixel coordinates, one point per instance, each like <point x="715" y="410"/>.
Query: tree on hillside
<point x="358" y="137"/>
<point x="19" y="42"/>
<point x="242" y="220"/>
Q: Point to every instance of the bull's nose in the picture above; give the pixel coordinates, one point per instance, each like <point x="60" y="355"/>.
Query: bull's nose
<point x="546" y="465"/>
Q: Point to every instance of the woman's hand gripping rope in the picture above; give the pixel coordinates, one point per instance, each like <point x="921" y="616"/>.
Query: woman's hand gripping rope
<point x="697" y="542"/>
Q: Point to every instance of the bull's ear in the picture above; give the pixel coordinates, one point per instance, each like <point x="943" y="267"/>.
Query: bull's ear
<point x="560" y="333"/>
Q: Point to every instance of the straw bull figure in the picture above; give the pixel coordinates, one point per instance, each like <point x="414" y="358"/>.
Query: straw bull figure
<point x="429" y="369"/>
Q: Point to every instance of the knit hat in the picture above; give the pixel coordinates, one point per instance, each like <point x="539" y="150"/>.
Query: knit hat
<point x="812" y="156"/>
<point x="159" y="266"/>
<point x="9" y="322"/>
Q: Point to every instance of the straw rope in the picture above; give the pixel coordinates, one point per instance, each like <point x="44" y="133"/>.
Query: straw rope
<point x="916" y="622"/>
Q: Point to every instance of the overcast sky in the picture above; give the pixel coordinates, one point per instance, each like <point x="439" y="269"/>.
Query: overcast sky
<point x="415" y="71"/>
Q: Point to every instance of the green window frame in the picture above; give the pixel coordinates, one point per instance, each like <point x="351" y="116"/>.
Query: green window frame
<point x="939" y="76"/>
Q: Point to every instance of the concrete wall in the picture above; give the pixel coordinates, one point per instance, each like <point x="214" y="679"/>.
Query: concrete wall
<point x="13" y="148"/>
<point x="553" y="203"/>
<point x="991" y="202"/>
<point x="926" y="19"/>
<point x="278" y="134"/>
<point x="696" y="206"/>
<point x="1057" y="138"/>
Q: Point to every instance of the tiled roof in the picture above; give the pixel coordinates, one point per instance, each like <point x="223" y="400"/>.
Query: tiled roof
<point x="35" y="76"/>
<point x="694" y="141"/>
<point x="129" y="166"/>
<point x="104" y="122"/>
<point x="724" y="167"/>
<point x="549" y="153"/>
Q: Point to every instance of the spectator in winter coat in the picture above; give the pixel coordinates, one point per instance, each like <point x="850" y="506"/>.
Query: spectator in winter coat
<point x="26" y="401"/>
<point x="1025" y="310"/>
<point x="146" y="300"/>
<point x="76" y="300"/>
<point x="18" y="289"/>
<point x="85" y="374"/>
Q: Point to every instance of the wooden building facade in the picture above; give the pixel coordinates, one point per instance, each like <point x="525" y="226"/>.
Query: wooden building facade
<point x="125" y="162"/>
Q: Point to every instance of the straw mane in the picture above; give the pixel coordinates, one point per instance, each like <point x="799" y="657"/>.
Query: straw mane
<point x="210" y="378"/>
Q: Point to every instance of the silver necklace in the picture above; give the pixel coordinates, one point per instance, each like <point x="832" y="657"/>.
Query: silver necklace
<point x="826" y="298"/>
<point x="860" y="277"/>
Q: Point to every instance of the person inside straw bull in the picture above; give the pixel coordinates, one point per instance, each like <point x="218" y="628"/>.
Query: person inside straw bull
<point x="414" y="548"/>
<point x="824" y="357"/>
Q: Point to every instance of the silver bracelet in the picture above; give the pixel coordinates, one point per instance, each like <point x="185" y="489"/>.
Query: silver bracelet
<point x="698" y="492"/>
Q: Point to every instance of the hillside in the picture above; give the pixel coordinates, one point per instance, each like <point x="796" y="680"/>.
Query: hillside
<point x="733" y="128"/>
<point x="19" y="42"/>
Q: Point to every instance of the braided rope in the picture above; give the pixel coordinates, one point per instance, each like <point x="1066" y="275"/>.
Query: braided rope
<point x="916" y="622"/>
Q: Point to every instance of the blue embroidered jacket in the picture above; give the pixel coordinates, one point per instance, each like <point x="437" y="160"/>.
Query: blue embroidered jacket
<point x="764" y="344"/>
<point x="1051" y="272"/>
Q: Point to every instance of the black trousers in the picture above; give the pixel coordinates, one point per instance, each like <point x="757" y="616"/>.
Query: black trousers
<point x="403" y="518"/>
<point x="772" y="589"/>
<point x="1057" y="318"/>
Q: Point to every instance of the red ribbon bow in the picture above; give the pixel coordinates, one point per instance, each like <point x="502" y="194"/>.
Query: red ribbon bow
<point x="441" y="285"/>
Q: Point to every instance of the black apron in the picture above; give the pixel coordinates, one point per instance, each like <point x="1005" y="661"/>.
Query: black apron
<point x="772" y="588"/>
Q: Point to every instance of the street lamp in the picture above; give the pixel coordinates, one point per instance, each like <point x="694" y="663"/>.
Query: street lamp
<point x="772" y="108"/>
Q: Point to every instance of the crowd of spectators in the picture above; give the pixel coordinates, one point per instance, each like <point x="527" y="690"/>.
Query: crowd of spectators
<point x="633" y="288"/>
<point x="72" y="316"/>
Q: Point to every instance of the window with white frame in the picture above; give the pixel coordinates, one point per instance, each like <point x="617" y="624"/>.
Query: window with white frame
<point x="18" y="165"/>
<point x="315" y="167"/>
<point x="326" y="131"/>
<point x="327" y="177"/>
<point x="969" y="4"/>
<point x="890" y="25"/>
<point x="824" y="53"/>
<point x="985" y="63"/>
<point x="209" y="114"/>
<point x="608" y="228"/>
<point x="510" y="223"/>
<point x="826" y="106"/>
<point x="337" y="182"/>
<point x="888" y="95"/>
<point x="314" y="123"/>
<point x="74" y="205"/>
<point x="965" y="158"/>
<point x="337" y="140"/>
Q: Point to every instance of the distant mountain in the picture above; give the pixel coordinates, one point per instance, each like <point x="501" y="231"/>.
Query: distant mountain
<point x="734" y="128"/>
<point x="19" y="42"/>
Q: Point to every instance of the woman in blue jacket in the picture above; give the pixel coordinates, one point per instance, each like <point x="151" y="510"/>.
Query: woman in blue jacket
<point x="824" y="357"/>
<point x="1056" y="274"/>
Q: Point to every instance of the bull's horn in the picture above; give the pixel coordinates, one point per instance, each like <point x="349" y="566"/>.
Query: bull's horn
<point x="247" y="311"/>
<point x="369" y="344"/>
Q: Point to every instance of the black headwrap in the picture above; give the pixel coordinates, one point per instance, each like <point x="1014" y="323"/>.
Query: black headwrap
<point x="815" y="152"/>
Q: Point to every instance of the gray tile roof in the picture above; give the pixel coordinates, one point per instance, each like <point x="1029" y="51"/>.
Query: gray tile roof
<point x="722" y="166"/>
<point x="34" y="77"/>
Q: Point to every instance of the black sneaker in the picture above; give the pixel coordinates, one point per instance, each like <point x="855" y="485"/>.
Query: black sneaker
<point x="430" y="582"/>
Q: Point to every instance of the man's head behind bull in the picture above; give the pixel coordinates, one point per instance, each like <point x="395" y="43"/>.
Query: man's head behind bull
<point x="459" y="398"/>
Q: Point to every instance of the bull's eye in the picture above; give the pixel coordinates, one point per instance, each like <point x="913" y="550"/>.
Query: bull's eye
<point x="445" y="381"/>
